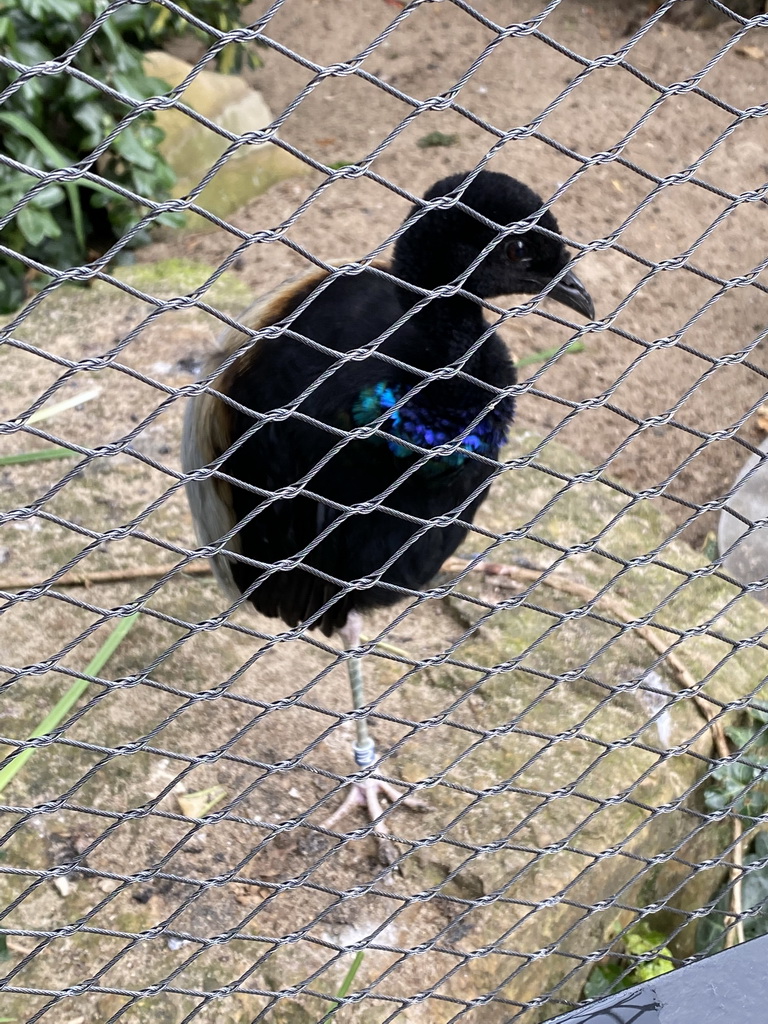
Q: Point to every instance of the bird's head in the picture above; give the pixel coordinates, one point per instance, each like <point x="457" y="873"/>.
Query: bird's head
<point x="441" y="244"/>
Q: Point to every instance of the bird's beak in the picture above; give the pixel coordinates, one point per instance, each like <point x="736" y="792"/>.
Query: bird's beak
<point x="571" y="292"/>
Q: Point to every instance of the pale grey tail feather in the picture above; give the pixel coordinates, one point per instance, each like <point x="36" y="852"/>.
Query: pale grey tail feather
<point x="205" y="435"/>
<point x="211" y="511"/>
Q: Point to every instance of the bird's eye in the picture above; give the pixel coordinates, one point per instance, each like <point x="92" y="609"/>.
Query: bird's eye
<point x="515" y="250"/>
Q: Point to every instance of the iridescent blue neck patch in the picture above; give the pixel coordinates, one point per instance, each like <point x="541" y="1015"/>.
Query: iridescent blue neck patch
<point x="425" y="428"/>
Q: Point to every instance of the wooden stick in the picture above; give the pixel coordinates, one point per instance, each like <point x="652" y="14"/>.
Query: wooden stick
<point x="735" y="935"/>
<point x="83" y="579"/>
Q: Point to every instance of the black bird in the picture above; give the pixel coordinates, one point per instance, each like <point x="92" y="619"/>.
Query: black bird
<point x="320" y="547"/>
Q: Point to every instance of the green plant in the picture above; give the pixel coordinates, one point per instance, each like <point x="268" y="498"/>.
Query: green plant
<point x="346" y="984"/>
<point x="65" y="704"/>
<point x="741" y="786"/>
<point x="54" y="121"/>
<point x="437" y="139"/>
<point x="616" y="972"/>
<point x="151" y="26"/>
<point x="42" y="455"/>
<point x="712" y="930"/>
<point x="540" y="357"/>
<point x="57" y="120"/>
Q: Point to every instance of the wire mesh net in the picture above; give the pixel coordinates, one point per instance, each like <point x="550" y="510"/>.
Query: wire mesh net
<point x="578" y="696"/>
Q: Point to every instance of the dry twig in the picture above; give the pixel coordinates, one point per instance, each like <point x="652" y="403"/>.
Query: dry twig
<point x="87" y="579"/>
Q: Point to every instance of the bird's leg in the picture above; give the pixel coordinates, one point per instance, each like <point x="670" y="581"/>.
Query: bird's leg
<point x="367" y="793"/>
<point x="364" y="749"/>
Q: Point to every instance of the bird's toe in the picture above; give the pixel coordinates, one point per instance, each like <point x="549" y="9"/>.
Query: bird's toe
<point x="369" y="794"/>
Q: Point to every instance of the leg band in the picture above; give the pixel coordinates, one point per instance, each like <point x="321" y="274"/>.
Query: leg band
<point x="365" y="754"/>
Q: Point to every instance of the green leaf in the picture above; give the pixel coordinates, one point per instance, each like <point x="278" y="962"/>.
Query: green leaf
<point x="81" y="92"/>
<point x="349" y="977"/>
<point x="29" y="51"/>
<point x="754" y="804"/>
<point x="618" y="973"/>
<point x="66" y="10"/>
<point x="711" y="930"/>
<point x="132" y="147"/>
<point x="654" y="968"/>
<point x="755" y="890"/>
<point x="604" y="979"/>
<point x="56" y="159"/>
<point x="11" y="285"/>
<point x="50" y="196"/>
<point x="730" y="786"/>
<point x="36" y="224"/>
<point x="161" y="21"/>
<point x="759" y="712"/>
<point x="92" y="116"/>
<point x="740" y="736"/>
<point x="20" y="124"/>
<point x="133" y="82"/>
<point x="56" y="121"/>
<point x="7" y="34"/>
<point x="131" y="19"/>
<point x="643" y="939"/>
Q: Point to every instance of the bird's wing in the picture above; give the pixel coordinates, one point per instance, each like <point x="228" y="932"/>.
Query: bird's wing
<point x="207" y="432"/>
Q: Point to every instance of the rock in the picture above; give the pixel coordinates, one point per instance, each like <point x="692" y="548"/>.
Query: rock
<point x="747" y="558"/>
<point x="192" y="149"/>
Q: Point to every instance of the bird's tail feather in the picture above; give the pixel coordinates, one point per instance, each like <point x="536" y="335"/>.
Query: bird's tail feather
<point x="207" y="430"/>
<point x="210" y="498"/>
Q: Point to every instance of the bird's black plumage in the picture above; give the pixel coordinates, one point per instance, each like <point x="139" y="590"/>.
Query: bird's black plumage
<point x="286" y="450"/>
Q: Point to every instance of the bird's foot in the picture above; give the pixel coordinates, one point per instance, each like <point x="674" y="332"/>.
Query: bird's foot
<point x="367" y="794"/>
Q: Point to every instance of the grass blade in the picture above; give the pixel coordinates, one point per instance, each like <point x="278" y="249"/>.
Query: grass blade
<point x="42" y="455"/>
<point x="547" y="353"/>
<point x="66" y="403"/>
<point x="70" y="698"/>
<point x="349" y="977"/>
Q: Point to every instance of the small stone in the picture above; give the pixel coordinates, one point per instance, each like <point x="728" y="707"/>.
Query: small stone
<point x="750" y="52"/>
<point x="62" y="885"/>
<point x="746" y="548"/>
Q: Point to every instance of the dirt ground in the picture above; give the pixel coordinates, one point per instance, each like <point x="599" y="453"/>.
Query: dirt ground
<point x="656" y="416"/>
<point x="673" y="420"/>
